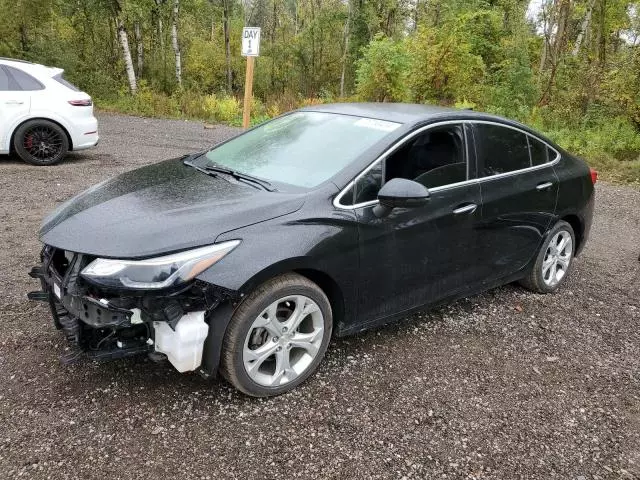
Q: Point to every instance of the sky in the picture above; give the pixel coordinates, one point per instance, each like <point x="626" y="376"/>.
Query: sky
<point x="534" y="8"/>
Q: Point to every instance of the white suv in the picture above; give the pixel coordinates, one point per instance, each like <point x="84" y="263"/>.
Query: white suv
<point x="42" y="116"/>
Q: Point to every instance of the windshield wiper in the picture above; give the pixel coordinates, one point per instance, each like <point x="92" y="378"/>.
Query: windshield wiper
<point x="213" y="170"/>
<point x="240" y="176"/>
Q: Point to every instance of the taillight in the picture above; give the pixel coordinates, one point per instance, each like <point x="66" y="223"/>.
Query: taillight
<point x="594" y="175"/>
<point x="81" y="103"/>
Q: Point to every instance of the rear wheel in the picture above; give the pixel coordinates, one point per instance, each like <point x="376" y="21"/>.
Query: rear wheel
<point x="277" y="337"/>
<point x="554" y="260"/>
<point x="40" y="142"/>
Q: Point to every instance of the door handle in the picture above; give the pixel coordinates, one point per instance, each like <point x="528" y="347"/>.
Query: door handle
<point x="13" y="102"/>
<point x="544" y="186"/>
<point x="469" y="208"/>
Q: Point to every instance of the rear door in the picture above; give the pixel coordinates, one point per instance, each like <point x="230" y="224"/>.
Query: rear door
<point x="519" y="191"/>
<point x="14" y="105"/>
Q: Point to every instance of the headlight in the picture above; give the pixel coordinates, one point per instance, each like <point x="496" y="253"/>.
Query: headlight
<point x="159" y="272"/>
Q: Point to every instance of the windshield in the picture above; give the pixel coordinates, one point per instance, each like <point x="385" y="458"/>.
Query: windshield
<point x="302" y="149"/>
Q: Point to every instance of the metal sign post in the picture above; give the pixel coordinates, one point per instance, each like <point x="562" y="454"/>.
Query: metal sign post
<point x="250" y="49"/>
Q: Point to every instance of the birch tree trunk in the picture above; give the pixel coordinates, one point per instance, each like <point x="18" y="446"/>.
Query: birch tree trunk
<point x="174" y="41"/>
<point x="159" y="25"/>
<point x="346" y="48"/>
<point x="227" y="45"/>
<point x="126" y="53"/>
<point x="583" y="29"/>
<point x="139" y="47"/>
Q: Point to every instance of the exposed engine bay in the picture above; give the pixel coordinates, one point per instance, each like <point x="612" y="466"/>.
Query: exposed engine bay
<point x="109" y="323"/>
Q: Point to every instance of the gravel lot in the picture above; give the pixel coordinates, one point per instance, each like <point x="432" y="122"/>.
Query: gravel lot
<point x="503" y="385"/>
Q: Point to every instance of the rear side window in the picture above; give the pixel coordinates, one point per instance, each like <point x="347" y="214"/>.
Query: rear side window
<point x="500" y="149"/>
<point x="539" y="152"/>
<point x="60" y="79"/>
<point x="23" y="80"/>
<point x="4" y="80"/>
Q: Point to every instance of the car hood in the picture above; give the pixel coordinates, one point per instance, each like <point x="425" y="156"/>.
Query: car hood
<point x="158" y="209"/>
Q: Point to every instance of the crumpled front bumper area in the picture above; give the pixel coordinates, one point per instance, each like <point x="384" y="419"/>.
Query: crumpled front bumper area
<point x="102" y="325"/>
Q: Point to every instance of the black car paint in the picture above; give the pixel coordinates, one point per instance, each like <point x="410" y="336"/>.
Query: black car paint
<point x="157" y="209"/>
<point x="373" y="269"/>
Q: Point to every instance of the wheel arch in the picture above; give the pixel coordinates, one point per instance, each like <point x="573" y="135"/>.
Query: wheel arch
<point x="15" y="129"/>
<point x="331" y="289"/>
<point x="578" y="229"/>
<point x="300" y="265"/>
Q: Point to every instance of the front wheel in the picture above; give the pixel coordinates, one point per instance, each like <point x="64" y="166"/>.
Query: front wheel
<point x="277" y="337"/>
<point x="554" y="260"/>
<point x="40" y="142"/>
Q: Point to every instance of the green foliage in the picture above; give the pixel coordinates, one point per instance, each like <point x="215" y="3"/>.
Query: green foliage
<point x="443" y="68"/>
<point x="583" y="88"/>
<point x="382" y="71"/>
<point x="611" y="145"/>
<point x="223" y="109"/>
<point x="146" y="103"/>
<point x="510" y="88"/>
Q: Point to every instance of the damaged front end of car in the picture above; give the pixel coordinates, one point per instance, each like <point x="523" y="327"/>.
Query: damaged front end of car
<point x="111" y="308"/>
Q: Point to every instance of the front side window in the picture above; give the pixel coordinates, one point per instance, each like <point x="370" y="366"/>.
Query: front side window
<point x="434" y="158"/>
<point x="367" y="187"/>
<point x="500" y="149"/>
<point x="302" y="149"/>
<point x="23" y="80"/>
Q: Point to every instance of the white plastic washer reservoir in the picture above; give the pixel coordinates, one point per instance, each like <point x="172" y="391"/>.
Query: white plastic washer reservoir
<point x="183" y="346"/>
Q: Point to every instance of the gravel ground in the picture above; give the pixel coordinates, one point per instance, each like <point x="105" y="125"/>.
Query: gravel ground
<point x="503" y="385"/>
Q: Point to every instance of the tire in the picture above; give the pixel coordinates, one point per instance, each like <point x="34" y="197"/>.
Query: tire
<point x="552" y="265"/>
<point x="40" y="142"/>
<point x="258" y="344"/>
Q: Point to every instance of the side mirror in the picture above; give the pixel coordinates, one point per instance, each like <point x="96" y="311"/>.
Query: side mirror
<point x="400" y="193"/>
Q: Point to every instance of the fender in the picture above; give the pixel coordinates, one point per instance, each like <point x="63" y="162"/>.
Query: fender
<point x="323" y="248"/>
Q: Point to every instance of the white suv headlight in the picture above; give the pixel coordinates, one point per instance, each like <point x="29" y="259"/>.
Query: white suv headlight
<point x="156" y="273"/>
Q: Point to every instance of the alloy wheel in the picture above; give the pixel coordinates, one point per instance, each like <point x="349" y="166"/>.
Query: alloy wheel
<point x="283" y="341"/>
<point x="42" y="142"/>
<point x="557" y="258"/>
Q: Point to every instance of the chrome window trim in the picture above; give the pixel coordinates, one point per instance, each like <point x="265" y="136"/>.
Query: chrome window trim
<point x="395" y="146"/>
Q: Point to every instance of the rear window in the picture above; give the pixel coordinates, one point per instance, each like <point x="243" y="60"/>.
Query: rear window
<point x="60" y="79"/>
<point x="23" y="80"/>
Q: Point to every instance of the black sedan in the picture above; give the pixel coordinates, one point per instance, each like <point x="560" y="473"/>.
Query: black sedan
<point x="245" y="259"/>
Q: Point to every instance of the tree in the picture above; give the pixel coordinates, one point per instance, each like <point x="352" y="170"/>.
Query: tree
<point x="174" y="41"/>
<point x="382" y="71"/>
<point x="124" y="44"/>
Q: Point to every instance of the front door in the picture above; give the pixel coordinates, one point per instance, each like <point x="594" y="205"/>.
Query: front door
<point x="415" y="256"/>
<point x="14" y="104"/>
<point x="519" y="191"/>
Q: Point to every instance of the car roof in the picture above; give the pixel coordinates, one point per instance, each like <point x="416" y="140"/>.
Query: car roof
<point x="409" y="113"/>
<point x="413" y="113"/>
<point x="392" y="112"/>
<point x="16" y="60"/>
<point x="30" y="67"/>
